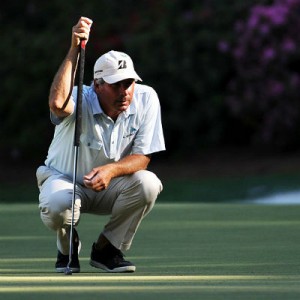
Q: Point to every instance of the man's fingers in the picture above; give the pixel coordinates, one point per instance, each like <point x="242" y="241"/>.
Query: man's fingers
<point x="90" y="176"/>
<point x="94" y="186"/>
<point x="81" y="30"/>
<point x="86" y="20"/>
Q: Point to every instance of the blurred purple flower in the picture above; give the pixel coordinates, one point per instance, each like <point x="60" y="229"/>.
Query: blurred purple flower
<point x="265" y="53"/>
<point x="277" y="14"/>
<point x="288" y="45"/>
<point x="268" y="54"/>
<point x="264" y="29"/>
<point x="223" y="46"/>
<point x="253" y="21"/>
<point x="289" y="2"/>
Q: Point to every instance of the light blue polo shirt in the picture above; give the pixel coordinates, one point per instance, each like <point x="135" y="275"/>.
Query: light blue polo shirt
<point x="138" y="130"/>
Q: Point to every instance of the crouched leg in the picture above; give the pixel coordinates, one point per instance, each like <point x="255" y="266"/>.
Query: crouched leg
<point x="55" y="204"/>
<point x="137" y="194"/>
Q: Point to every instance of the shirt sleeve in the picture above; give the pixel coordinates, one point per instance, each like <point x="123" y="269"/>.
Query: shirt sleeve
<point x="150" y="138"/>
<point x="58" y="120"/>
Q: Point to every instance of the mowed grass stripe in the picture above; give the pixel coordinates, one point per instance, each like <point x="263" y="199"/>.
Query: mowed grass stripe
<point x="129" y="278"/>
<point x="151" y="289"/>
<point x="207" y="251"/>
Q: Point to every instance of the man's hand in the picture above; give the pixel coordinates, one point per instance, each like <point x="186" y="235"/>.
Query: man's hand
<point x="81" y="31"/>
<point x="99" y="178"/>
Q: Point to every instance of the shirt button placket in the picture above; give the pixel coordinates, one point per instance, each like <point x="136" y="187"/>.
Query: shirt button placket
<point x="113" y="143"/>
<point x="114" y="138"/>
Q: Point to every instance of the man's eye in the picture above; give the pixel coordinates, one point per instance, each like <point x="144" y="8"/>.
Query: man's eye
<point x="126" y="84"/>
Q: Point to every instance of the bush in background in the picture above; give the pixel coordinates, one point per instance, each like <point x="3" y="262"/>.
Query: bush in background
<point x="264" y="91"/>
<point x="185" y="49"/>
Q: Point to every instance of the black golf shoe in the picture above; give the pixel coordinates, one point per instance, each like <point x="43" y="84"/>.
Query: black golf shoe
<point x="63" y="260"/>
<point x="111" y="260"/>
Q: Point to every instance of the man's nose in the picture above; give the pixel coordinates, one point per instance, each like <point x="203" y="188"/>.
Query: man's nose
<point x="123" y="88"/>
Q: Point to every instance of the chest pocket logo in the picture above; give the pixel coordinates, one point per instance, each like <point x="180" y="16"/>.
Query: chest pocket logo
<point x="130" y="133"/>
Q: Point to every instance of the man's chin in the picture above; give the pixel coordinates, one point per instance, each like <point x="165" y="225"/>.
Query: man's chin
<point x="122" y="108"/>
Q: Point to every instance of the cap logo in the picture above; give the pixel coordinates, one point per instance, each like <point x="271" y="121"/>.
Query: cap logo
<point x="122" y="64"/>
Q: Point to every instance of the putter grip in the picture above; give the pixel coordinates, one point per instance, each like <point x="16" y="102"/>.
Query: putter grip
<point x="78" y="119"/>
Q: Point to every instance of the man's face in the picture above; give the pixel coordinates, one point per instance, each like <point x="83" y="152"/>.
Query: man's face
<point x="115" y="98"/>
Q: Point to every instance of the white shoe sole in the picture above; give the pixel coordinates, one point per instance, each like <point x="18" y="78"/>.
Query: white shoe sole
<point x="126" y="269"/>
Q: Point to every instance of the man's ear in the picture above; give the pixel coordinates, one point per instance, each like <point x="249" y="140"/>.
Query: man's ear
<point x="97" y="86"/>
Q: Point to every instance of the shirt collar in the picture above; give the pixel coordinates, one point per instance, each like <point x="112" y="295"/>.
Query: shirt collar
<point x="96" y="108"/>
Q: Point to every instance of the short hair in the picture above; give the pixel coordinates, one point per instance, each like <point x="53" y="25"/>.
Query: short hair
<point x="99" y="81"/>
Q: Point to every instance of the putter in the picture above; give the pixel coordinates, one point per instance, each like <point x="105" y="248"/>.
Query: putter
<point x="78" y="118"/>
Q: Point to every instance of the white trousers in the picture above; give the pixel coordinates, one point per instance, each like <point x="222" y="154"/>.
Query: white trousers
<point x="127" y="199"/>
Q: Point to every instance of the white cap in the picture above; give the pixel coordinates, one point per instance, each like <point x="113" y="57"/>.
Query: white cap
<point x="115" y="66"/>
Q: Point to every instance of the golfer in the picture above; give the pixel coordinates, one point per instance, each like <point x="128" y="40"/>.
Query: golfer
<point x="121" y="129"/>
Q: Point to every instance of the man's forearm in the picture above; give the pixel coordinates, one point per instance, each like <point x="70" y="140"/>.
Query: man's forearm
<point x="99" y="178"/>
<point x="130" y="164"/>
<point x="62" y="85"/>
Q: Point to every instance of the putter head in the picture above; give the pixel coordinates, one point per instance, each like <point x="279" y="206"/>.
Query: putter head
<point x="68" y="271"/>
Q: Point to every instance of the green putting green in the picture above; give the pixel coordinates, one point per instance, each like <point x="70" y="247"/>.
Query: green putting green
<point x="182" y="251"/>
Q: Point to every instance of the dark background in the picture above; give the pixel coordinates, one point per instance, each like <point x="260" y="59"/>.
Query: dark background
<point x="227" y="73"/>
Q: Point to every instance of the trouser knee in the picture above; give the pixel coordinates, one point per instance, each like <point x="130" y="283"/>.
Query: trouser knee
<point x="57" y="212"/>
<point x="148" y="186"/>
